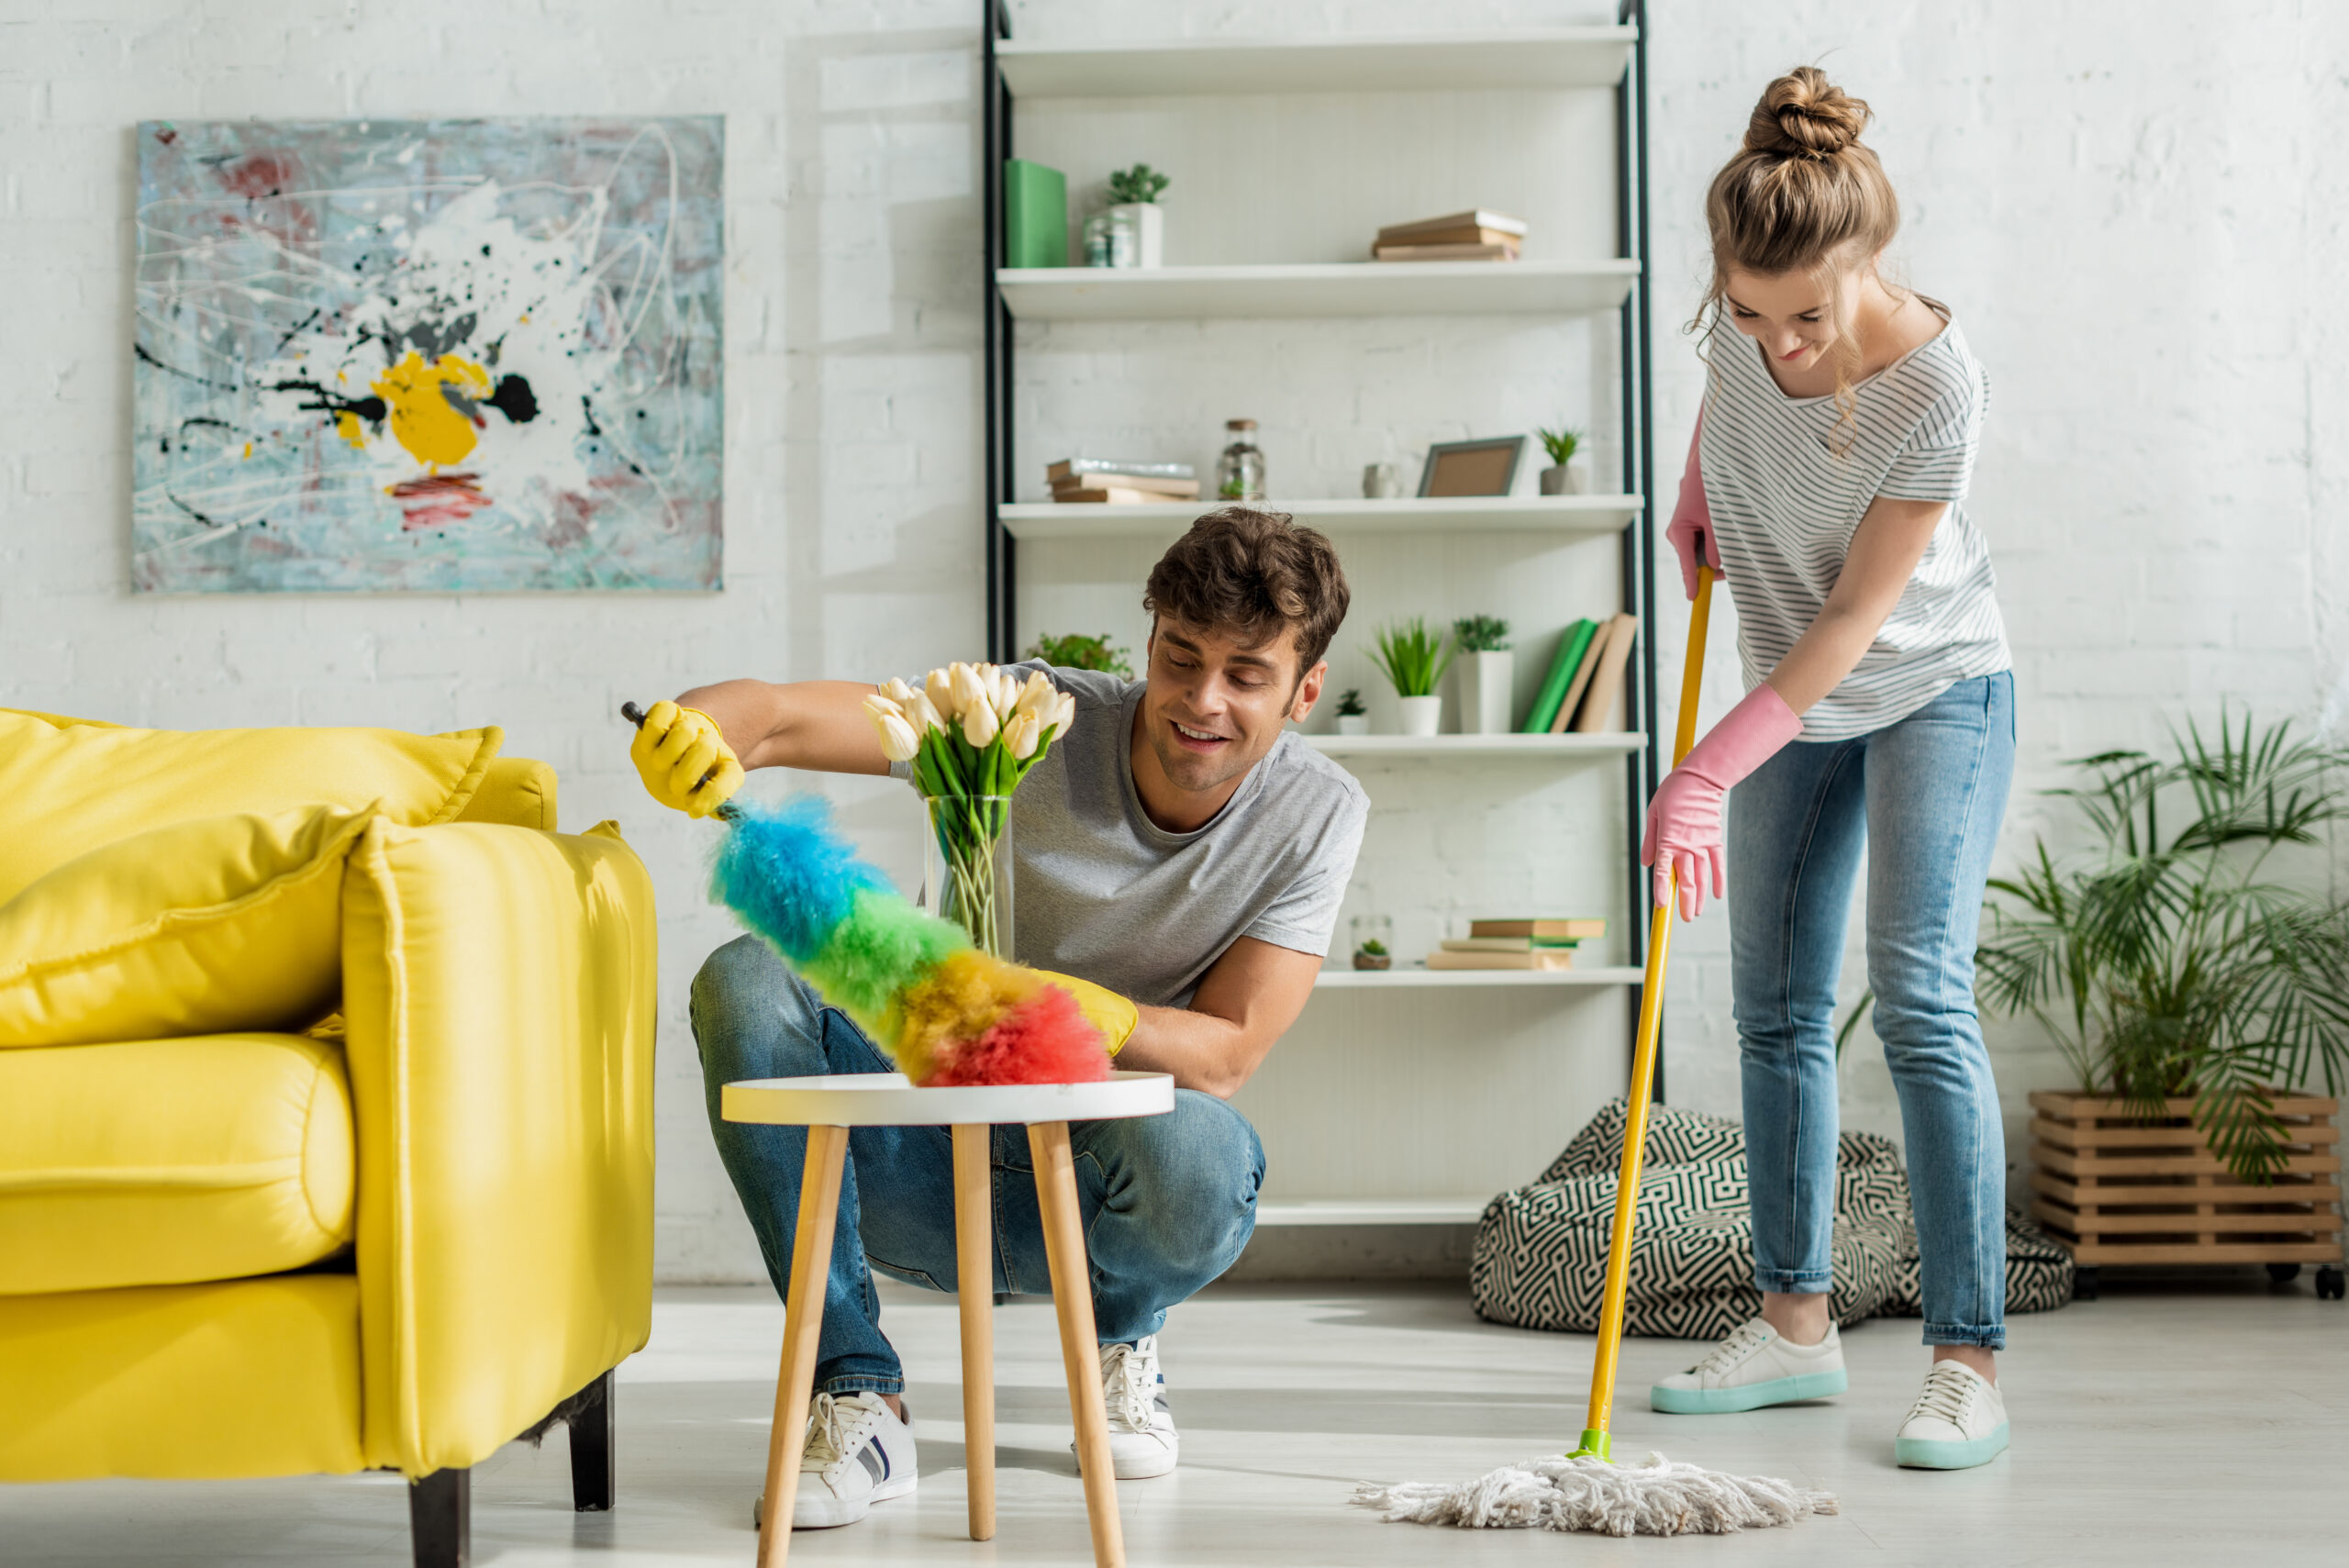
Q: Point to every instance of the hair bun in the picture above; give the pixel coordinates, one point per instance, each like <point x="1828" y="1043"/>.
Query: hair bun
<point x="1802" y="113"/>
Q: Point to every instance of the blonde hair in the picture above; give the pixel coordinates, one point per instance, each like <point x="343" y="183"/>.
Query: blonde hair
<point x="1801" y="194"/>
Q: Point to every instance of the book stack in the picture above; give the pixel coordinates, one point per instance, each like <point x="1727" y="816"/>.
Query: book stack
<point x="1585" y="681"/>
<point x="1474" y="236"/>
<point x="1516" y="944"/>
<point x="1097" y="480"/>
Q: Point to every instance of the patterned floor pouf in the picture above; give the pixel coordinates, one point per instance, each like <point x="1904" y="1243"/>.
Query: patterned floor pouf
<point x="1541" y="1252"/>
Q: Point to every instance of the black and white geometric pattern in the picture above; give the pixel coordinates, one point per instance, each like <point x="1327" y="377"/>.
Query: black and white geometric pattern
<point x="1541" y="1252"/>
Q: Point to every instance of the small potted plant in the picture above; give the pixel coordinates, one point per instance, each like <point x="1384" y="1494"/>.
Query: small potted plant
<point x="1568" y="474"/>
<point x="1371" y="935"/>
<point x="1413" y="659"/>
<point x="1373" y="955"/>
<point x="1486" y="675"/>
<point x="1133" y="194"/>
<point x="1077" y="651"/>
<point x="1353" y="718"/>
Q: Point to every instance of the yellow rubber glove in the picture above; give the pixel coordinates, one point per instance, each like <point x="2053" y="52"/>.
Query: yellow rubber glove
<point x="674" y="749"/>
<point x="1105" y="1010"/>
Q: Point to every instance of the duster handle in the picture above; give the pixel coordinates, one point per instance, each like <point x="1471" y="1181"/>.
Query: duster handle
<point x="635" y="715"/>
<point x="1595" y="1437"/>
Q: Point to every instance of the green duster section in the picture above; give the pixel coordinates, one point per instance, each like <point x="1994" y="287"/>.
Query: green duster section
<point x="882" y="948"/>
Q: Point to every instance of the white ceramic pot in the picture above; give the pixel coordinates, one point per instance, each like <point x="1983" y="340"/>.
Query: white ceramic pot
<point x="1579" y="471"/>
<point x="1353" y="724"/>
<point x="1485" y="683"/>
<point x="1149" y="231"/>
<point x="1554" y="480"/>
<point x="1422" y="717"/>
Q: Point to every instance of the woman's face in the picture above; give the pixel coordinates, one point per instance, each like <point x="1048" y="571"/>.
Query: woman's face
<point x="1793" y="314"/>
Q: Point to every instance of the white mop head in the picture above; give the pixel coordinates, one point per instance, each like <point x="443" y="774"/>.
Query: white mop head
<point x="1657" y="1497"/>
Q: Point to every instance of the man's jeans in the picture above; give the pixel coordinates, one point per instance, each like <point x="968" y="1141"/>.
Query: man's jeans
<point x="1168" y="1201"/>
<point x="1924" y="798"/>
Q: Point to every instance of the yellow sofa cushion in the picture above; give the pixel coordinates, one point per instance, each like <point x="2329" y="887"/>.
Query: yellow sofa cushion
<point x="163" y="1161"/>
<point x="258" y="1377"/>
<point x="222" y="923"/>
<point x="67" y="786"/>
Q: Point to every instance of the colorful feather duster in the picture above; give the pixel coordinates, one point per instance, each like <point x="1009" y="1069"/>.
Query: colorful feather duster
<point x="947" y="1013"/>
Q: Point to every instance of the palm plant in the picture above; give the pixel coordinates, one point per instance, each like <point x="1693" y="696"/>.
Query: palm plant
<point x="1561" y="444"/>
<point x="2177" y="963"/>
<point x="1412" y="658"/>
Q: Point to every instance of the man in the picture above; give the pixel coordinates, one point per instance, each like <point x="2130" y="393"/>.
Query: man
<point x="1178" y="846"/>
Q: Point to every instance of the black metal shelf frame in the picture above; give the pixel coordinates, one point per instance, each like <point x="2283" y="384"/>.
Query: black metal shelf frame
<point x="1643" y="769"/>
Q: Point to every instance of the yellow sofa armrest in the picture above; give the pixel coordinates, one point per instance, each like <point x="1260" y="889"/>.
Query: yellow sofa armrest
<point x="498" y="984"/>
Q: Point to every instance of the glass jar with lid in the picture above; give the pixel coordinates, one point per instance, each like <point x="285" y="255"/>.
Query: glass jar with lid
<point x="1240" y="472"/>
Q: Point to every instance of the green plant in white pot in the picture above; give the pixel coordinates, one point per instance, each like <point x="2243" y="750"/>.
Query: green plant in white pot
<point x="1486" y="673"/>
<point x="1133" y="194"/>
<point x="1353" y="718"/>
<point x="1414" y="659"/>
<point x="1569" y="470"/>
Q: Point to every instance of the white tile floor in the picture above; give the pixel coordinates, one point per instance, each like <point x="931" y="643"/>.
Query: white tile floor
<point x="2203" y="1424"/>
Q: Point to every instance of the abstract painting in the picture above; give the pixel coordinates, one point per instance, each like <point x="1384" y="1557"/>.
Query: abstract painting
<point x="448" y="356"/>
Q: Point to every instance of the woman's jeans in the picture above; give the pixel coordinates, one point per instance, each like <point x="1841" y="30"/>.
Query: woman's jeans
<point x="1924" y="798"/>
<point x="1167" y="1201"/>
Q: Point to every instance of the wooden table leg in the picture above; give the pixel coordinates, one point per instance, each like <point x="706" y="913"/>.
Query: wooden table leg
<point x="975" y="1286"/>
<point x="803" y="1323"/>
<point x="1080" y="1350"/>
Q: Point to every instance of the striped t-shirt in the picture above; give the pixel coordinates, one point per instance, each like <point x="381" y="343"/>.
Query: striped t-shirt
<point x="1785" y="503"/>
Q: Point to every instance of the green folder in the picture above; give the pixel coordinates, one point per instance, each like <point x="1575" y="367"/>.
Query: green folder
<point x="1035" y="215"/>
<point x="1572" y="646"/>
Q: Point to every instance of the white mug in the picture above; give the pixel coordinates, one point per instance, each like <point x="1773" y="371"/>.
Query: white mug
<point x="1378" y="483"/>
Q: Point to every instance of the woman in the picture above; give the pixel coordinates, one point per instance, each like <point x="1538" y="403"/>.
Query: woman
<point x="1826" y="483"/>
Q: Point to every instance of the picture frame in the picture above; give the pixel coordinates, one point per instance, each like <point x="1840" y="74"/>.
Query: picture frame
<point x="1472" y="468"/>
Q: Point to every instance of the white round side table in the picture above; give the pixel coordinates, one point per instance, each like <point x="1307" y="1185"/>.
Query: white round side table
<point x="827" y="1108"/>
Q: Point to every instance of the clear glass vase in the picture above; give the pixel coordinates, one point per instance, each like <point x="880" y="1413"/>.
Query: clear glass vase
<point x="966" y="866"/>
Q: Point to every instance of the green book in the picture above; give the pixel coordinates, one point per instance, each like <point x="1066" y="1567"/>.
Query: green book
<point x="1572" y="646"/>
<point x="1035" y="215"/>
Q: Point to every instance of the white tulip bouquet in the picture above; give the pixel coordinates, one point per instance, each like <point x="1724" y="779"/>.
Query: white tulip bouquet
<point x="970" y="733"/>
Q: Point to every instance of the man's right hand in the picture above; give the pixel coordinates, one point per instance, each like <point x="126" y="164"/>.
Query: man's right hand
<point x="683" y="761"/>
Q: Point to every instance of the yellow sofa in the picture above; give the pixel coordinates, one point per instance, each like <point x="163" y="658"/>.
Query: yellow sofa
<point x="396" y="1239"/>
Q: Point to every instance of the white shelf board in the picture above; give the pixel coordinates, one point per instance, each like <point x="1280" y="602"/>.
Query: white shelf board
<point x="1318" y="288"/>
<point x="1372" y="1211"/>
<point x="1604" y="515"/>
<point x="1374" y="979"/>
<point x="1611" y="743"/>
<point x="1557" y="57"/>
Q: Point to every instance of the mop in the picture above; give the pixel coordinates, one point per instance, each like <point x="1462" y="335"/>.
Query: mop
<point x="1585" y="1490"/>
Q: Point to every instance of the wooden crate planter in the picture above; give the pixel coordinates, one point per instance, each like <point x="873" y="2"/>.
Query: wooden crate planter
<point x="2117" y="1190"/>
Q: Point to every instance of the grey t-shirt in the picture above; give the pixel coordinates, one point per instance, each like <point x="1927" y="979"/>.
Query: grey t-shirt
<point x="1103" y="894"/>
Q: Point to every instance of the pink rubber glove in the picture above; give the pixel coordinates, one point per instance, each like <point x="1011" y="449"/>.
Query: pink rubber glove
<point x="1684" y="837"/>
<point x="1691" y="528"/>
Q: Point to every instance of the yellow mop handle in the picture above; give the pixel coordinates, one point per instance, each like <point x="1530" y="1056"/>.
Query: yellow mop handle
<point x="1596" y="1440"/>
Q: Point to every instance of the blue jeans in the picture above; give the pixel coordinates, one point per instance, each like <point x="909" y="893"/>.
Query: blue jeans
<point x="1924" y="797"/>
<point x="1168" y="1201"/>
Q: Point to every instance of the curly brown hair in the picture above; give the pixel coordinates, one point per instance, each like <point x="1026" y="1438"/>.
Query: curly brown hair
<point x="1254" y="574"/>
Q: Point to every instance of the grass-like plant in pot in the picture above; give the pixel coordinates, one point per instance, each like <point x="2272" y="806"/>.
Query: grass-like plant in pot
<point x="1353" y="716"/>
<point x="1414" y="659"/>
<point x="1559" y="478"/>
<point x="2194" y="955"/>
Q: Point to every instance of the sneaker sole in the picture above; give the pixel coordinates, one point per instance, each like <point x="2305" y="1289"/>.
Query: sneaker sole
<point x="1142" y="1466"/>
<point x="1751" y="1397"/>
<point x="814" y="1513"/>
<point x="1937" y="1454"/>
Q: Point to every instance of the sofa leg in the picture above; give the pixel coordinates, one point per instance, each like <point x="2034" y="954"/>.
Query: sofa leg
<point x="441" y="1519"/>
<point x="591" y="1448"/>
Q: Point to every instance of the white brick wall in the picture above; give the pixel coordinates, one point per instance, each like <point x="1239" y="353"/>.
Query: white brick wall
<point x="2134" y="209"/>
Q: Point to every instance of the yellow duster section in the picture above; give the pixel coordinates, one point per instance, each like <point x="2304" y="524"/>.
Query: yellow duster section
<point x="965" y="995"/>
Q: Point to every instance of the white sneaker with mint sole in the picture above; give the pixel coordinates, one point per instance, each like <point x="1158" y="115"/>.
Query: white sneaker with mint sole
<point x="1142" y="1441"/>
<point x="858" y="1454"/>
<point x="1754" y="1366"/>
<point x="1959" y="1421"/>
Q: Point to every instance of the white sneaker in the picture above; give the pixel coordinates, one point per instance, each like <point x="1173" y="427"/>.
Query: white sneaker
<point x="1959" y="1421"/>
<point x="1142" y="1441"/>
<point x="1754" y="1366"/>
<point x="858" y="1454"/>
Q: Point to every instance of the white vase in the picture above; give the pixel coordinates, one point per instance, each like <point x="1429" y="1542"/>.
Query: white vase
<point x="1353" y="724"/>
<point x="1485" y="680"/>
<point x="1422" y="717"/>
<point x="1149" y="231"/>
<point x="1579" y="471"/>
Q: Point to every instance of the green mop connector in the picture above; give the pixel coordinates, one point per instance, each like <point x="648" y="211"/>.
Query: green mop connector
<point x="1595" y="1444"/>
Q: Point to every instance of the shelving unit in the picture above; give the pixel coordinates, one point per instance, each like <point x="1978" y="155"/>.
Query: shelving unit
<point x="1453" y="514"/>
<point x="1367" y="1110"/>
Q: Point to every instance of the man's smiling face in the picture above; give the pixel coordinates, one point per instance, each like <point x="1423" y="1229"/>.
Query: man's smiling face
<point x="1215" y="705"/>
